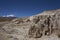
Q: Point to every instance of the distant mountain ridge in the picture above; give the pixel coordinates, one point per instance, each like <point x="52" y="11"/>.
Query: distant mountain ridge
<point x="3" y="19"/>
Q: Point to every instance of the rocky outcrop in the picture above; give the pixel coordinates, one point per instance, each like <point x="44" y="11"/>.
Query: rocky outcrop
<point x="46" y="23"/>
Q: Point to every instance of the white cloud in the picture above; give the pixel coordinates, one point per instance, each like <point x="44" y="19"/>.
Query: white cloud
<point x="11" y="15"/>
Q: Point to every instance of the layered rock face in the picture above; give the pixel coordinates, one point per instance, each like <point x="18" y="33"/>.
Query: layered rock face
<point x="43" y="26"/>
<point x="46" y="23"/>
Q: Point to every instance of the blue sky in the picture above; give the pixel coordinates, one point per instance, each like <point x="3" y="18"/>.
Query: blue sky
<point x="21" y="8"/>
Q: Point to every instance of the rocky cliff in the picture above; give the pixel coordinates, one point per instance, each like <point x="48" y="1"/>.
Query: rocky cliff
<point x="43" y="26"/>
